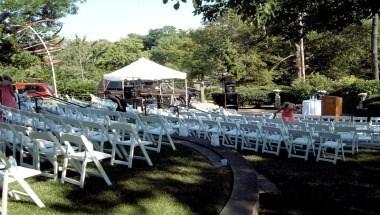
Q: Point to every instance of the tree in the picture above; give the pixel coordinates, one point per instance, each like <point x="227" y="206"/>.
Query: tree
<point x="16" y="14"/>
<point x="282" y="17"/>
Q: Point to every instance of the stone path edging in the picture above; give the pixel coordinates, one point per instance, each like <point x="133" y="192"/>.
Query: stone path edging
<point x="244" y="199"/>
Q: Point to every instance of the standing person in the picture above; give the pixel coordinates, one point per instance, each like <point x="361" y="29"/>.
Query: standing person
<point x="287" y="111"/>
<point x="7" y="93"/>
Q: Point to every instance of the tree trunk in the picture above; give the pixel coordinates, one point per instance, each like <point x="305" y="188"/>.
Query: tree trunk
<point x="374" y="46"/>
<point x="302" y="51"/>
<point x="202" y="89"/>
<point x="298" y="60"/>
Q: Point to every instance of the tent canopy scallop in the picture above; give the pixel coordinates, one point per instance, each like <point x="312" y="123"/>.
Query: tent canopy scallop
<point x="144" y="69"/>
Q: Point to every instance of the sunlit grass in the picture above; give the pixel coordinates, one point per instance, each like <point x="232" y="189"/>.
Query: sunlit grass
<point x="181" y="182"/>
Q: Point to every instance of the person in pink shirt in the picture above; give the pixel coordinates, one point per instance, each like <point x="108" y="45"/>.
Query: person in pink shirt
<point x="7" y="93"/>
<point x="287" y="111"/>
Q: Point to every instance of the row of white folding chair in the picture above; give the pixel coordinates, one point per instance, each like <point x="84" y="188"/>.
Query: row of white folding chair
<point x="296" y="141"/>
<point x="10" y="173"/>
<point x="44" y="145"/>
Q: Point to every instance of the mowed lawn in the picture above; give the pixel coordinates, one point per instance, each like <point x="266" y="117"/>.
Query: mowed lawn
<point x="181" y="182"/>
<point x="308" y="187"/>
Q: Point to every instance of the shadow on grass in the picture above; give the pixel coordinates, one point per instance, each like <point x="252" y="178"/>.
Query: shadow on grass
<point x="181" y="182"/>
<point x="308" y="187"/>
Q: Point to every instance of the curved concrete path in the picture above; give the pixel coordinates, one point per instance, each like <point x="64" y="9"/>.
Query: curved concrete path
<point x="247" y="184"/>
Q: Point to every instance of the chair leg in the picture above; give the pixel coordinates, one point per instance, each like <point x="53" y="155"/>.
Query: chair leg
<point x="4" y="200"/>
<point x="146" y="155"/>
<point x="83" y="173"/>
<point x="319" y="152"/>
<point x="65" y="163"/>
<point x="102" y="172"/>
<point x="131" y="154"/>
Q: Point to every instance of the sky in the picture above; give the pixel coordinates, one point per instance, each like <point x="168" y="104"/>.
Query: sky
<point x="114" y="19"/>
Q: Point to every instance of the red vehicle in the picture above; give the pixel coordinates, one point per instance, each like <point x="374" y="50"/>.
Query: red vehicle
<point x="35" y="89"/>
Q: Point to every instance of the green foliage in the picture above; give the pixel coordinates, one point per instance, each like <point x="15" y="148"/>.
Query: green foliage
<point x="255" y="95"/>
<point x="301" y="90"/>
<point x="350" y="93"/>
<point x="77" y="88"/>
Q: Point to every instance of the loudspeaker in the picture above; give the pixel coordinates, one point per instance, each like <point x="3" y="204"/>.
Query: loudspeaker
<point x="129" y="92"/>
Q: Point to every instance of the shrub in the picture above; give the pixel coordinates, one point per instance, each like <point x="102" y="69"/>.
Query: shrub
<point x="77" y="88"/>
<point x="350" y="93"/>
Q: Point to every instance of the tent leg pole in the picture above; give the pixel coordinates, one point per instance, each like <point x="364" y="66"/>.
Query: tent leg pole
<point x="186" y="94"/>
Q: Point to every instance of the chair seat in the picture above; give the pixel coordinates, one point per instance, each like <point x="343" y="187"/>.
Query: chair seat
<point x="251" y="135"/>
<point x="213" y="130"/>
<point x="156" y="131"/>
<point x="98" y="155"/>
<point x="21" y="172"/>
<point x="97" y="136"/>
<point x="275" y="137"/>
<point x="128" y="143"/>
<point x="332" y="144"/>
<point x="232" y="132"/>
<point x="362" y="138"/>
<point x="301" y="141"/>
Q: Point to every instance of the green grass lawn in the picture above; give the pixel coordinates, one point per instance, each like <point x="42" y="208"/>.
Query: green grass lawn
<point x="308" y="187"/>
<point x="181" y="182"/>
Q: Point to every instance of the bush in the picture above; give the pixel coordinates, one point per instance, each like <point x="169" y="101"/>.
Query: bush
<point x="78" y="88"/>
<point x="253" y="95"/>
<point x="350" y="93"/>
<point x="302" y="90"/>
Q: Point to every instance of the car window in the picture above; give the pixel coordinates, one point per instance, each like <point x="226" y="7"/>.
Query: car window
<point x="114" y="85"/>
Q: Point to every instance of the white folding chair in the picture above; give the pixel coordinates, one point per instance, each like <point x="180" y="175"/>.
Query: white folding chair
<point x="96" y="133"/>
<point x="211" y="127"/>
<point x="12" y="173"/>
<point x="252" y="137"/>
<point x="194" y="126"/>
<point x="273" y="138"/>
<point x="80" y="159"/>
<point x="154" y="126"/>
<point x="231" y="135"/>
<point x="330" y="142"/>
<point x="349" y="137"/>
<point x="300" y="141"/>
<point x="47" y="147"/>
<point x="125" y="135"/>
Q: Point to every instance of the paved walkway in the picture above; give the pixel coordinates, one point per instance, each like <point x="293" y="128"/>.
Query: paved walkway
<point x="247" y="184"/>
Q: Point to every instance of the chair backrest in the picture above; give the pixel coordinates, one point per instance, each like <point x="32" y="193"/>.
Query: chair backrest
<point x="298" y="133"/>
<point x="250" y="128"/>
<point x="375" y="120"/>
<point x="313" y="117"/>
<point x="320" y="128"/>
<point x="344" y="119"/>
<point x="210" y="123"/>
<point x="228" y="125"/>
<point x="328" y="118"/>
<point x="40" y="137"/>
<point x="356" y="119"/>
<point x="5" y="162"/>
<point x="124" y="131"/>
<point x="297" y="126"/>
<point x="343" y="129"/>
<point x="325" y="136"/>
<point x="79" y="140"/>
<point x="267" y="130"/>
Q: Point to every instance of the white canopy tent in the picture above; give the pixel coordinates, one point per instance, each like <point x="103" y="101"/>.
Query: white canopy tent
<point x="145" y="69"/>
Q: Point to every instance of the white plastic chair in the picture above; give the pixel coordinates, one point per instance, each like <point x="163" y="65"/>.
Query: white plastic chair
<point x="300" y="141"/>
<point x="80" y="159"/>
<point x="273" y="138"/>
<point x="154" y="126"/>
<point x="47" y="147"/>
<point x="126" y="136"/>
<point x="231" y="135"/>
<point x="12" y="173"/>
<point x="252" y="137"/>
<point x="329" y="141"/>
<point x="349" y="137"/>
